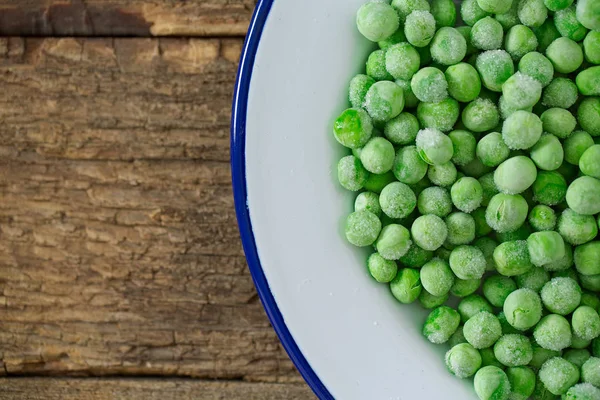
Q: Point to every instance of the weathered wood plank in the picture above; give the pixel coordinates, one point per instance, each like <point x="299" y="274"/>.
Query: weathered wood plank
<point x="146" y="389"/>
<point x="125" y="17"/>
<point x="119" y="250"/>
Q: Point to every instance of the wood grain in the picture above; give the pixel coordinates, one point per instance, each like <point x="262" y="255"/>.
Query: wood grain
<point x="119" y="249"/>
<point x="125" y="17"/>
<point x="146" y="389"/>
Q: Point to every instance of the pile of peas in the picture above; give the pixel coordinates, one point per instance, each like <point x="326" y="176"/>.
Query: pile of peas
<point x="475" y="153"/>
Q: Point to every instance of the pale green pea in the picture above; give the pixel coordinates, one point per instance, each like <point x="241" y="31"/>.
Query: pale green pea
<point x="397" y="37"/>
<point x="410" y="100"/>
<point x="393" y="242"/>
<point x="488" y="358"/>
<point x="561" y="295"/>
<point x="437" y="277"/>
<point x="402" y="61"/>
<point x="435" y="200"/>
<point x="509" y="18"/>
<point x="489" y="188"/>
<point x="523" y="309"/>
<point x="368" y="201"/>
<point x="494" y="67"/>
<point x="561" y="92"/>
<point x="576" y="145"/>
<point x="506" y="212"/>
<point x="582" y="391"/>
<point x="405" y="7"/>
<point x="429" y="85"/>
<point x="542" y="218"/>
<point x="467" y="194"/>
<point x="487" y="34"/>
<point x="588" y="81"/>
<point x="463" y="360"/>
<point x="565" y="54"/>
<point x="590" y="371"/>
<point x="419" y="28"/>
<point x="546" y="34"/>
<point x="515" y="175"/>
<point x="384" y="101"/>
<point x="472" y="305"/>
<point x="558" y="375"/>
<point x="588" y="13"/>
<point x="513" y="350"/>
<point x="566" y="23"/>
<point x="575" y="228"/>
<point x="397" y="200"/>
<point x="471" y="12"/>
<point x="583" y="195"/>
<point x="362" y="228"/>
<point x="351" y="173"/>
<point x="429" y="232"/>
<point x="521" y="91"/>
<point x="444" y="12"/>
<point x="591" y="47"/>
<point x="545" y="247"/>
<point x="434" y="147"/>
<point x="522" y="382"/>
<point x="496" y="289"/>
<point x="358" y="88"/>
<point x="467" y="262"/>
<point x="480" y="115"/>
<point x="377" y="21"/>
<point x="522" y="130"/>
<point x="519" y="41"/>
<point x="376" y="66"/>
<point x="448" y="46"/>
<point x="461" y="229"/>
<point x="512" y="258"/>
<point x="408" y="166"/>
<point x="590" y="282"/>
<point x="482" y="330"/>
<point x="532" y="13"/>
<point x="559" y="122"/>
<point x="381" y="270"/>
<point x="429" y="301"/>
<point x="402" y="129"/>
<point x="553" y="332"/>
<point x="586" y="323"/>
<point x="487" y="246"/>
<point x="587" y="259"/>
<point x="535" y="279"/>
<point x="377" y="156"/>
<point x="464" y="287"/>
<point x="443" y="174"/>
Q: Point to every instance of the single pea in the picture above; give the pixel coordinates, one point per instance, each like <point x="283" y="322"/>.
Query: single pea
<point x="522" y="382"/>
<point x="587" y="259"/>
<point x="549" y="188"/>
<point x="491" y="383"/>
<point x="561" y="295"/>
<point x="532" y="13"/>
<point x="429" y="85"/>
<point x="377" y="21"/>
<point x="368" y="201"/>
<point x="534" y="279"/>
<point x="561" y="92"/>
<point x="393" y="242"/>
<point x="507" y="109"/>
<point x="464" y="83"/>
<point x="461" y="228"/>
<point x="591" y="47"/>
<point x="553" y="332"/>
<point x="362" y="228"/>
<point x="463" y="360"/>
<point x="429" y="301"/>
<point x="471" y="305"/>
<point x="441" y="324"/>
<point x="464" y="287"/>
<point x="416" y="257"/>
<point x="590" y="371"/>
<point x="521" y="91"/>
<point x="377" y="156"/>
<point x="590" y="282"/>
<point x="588" y="81"/>
<point x="448" y="46"/>
<point x="555" y="5"/>
<point x="496" y="289"/>
<point x="589" y="163"/>
<point x="558" y="375"/>
<point x="582" y="391"/>
<point x="437" y="277"/>
<point x="397" y="200"/>
<point x="491" y="149"/>
<point x="402" y="129"/>
<point x="405" y="7"/>
<point x="541" y="355"/>
<point x="515" y="175"/>
<point x="576" y="145"/>
<point x="522" y="130"/>
<point x="358" y="88"/>
<point x="444" y="12"/>
<point x="481" y="226"/>
<point x="519" y="41"/>
<point x="588" y="13"/>
<point x="566" y="22"/>
<point x="429" y="232"/>
<point x="506" y="213"/>
<point x="410" y="100"/>
<point x="583" y="195"/>
<point x="464" y="144"/>
<point x="482" y="330"/>
<point x="590" y="300"/>
<point x="494" y="67"/>
<point x="577" y="356"/>
<point x="487" y="246"/>
<point x="435" y="200"/>
<point x="419" y="28"/>
<point x="443" y="174"/>
<point x="537" y="66"/>
<point x="487" y="34"/>
<point x="384" y="101"/>
<point x="586" y="323"/>
<point x="480" y="115"/>
<point x="467" y="194"/>
<point x="381" y="270"/>
<point x="588" y="115"/>
<point x="351" y="173"/>
<point x="467" y="262"/>
<point x="377" y="182"/>
<point x="559" y="122"/>
<point x="512" y="258"/>
<point x="546" y="34"/>
<point x="471" y="12"/>
<point x="406" y="286"/>
<point x="513" y="350"/>
<point x="545" y="247"/>
<point x="353" y="128"/>
<point x="408" y="167"/>
<point x="434" y="147"/>
<point x="575" y="228"/>
<point x="441" y="116"/>
<point x="402" y="61"/>
<point x="397" y="37"/>
<point x="542" y="218"/>
<point x="489" y="188"/>
<point x="565" y="54"/>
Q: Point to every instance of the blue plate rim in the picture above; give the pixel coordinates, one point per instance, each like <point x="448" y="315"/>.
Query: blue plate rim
<point x="238" y="169"/>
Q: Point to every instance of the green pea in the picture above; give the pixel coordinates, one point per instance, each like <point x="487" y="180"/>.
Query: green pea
<point x="359" y="86"/>
<point x="537" y="66"/>
<point x="561" y="92"/>
<point x="448" y="46"/>
<point x="377" y="182"/>
<point x="532" y="13"/>
<point x="513" y="350"/>
<point x="464" y="287"/>
<point x="506" y="212"/>
<point x="410" y="100"/>
<point x="353" y="128"/>
<point x="444" y="12"/>
<point x="368" y="201"/>
<point x="561" y="295"/>
<point x="429" y="301"/>
<point x="522" y="382"/>
<point x="545" y="247"/>
<point x="441" y="324"/>
<point x="362" y="228"/>
<point x="494" y="67"/>
<point x="534" y="279"/>
<point x="565" y="54"/>
<point x="397" y="200"/>
<point x="577" y="356"/>
<point x="590" y="371"/>
<point x="542" y="218"/>
<point x="377" y="21"/>
<point x="377" y="156"/>
<point x="492" y="383"/>
<point x="546" y="34"/>
<point x="408" y="166"/>
<point x="582" y="391"/>
<point x="515" y="175"/>
<point x="471" y="12"/>
<point x="509" y="18"/>
<point x="416" y="257"/>
<point x="464" y="83"/>
<point x="487" y="246"/>
<point x="522" y="130"/>
<point x="429" y="85"/>
<point x="443" y="174"/>
<point x="541" y="355"/>
<point x="402" y="61"/>
<point x="419" y="28"/>
<point x="463" y="360"/>
<point x="437" y="277"/>
<point x="555" y="5"/>
<point x="588" y="81"/>
<point x="406" y="286"/>
<point x="405" y="7"/>
<point x="429" y="232"/>
<point x="381" y="270"/>
<point x="583" y="195"/>
<point x="434" y="147"/>
<point x="588" y="13"/>
<point x="461" y="229"/>
<point x="397" y="37"/>
<point x="586" y="258"/>
<point x="590" y="282"/>
<point x="553" y="332"/>
<point x="441" y="116"/>
<point x="558" y="375"/>
<point x="496" y="289"/>
<point x="402" y="129"/>
<point x="549" y="188"/>
<point x="559" y="122"/>
<point x="521" y="91"/>
<point x="586" y="323"/>
<point x="591" y="47"/>
<point x="487" y="34"/>
<point x="575" y="228"/>
<point x="393" y="242"/>
<point x="384" y="101"/>
<point x="351" y="173"/>
<point x="588" y="115"/>
<point x="519" y="41"/>
<point x="467" y="262"/>
<point x="512" y="258"/>
<point x="482" y="330"/>
<point x="566" y="22"/>
<point x="489" y="188"/>
<point x="480" y="115"/>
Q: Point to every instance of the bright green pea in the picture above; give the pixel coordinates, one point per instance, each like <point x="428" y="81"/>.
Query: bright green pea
<point x="410" y="100"/>
<point x="549" y="188"/>
<point x="359" y="86"/>
<point x="368" y="201"/>
<point x="376" y="183"/>
<point x="464" y="83"/>
<point x="381" y="270"/>
<point x="555" y="5"/>
<point x="397" y="37"/>
<point x="408" y="166"/>
<point x="542" y="218"/>
<point x="416" y="257"/>
<point x="353" y="128"/>
<point x="376" y="66"/>
<point x="509" y="18"/>
<point x="441" y="324"/>
<point x="546" y="34"/>
<point x="590" y="282"/>
<point x="566" y="22"/>
<point x="591" y="47"/>
<point x="522" y="382"/>
<point x="494" y="67"/>
<point x="586" y="258"/>
<point x="548" y="153"/>
<point x="565" y="54"/>
<point x="406" y="286"/>
<point x="480" y="115"/>
<point x="588" y="115"/>
<point x="481" y="226"/>
<point x="444" y="12"/>
<point x="437" y="277"/>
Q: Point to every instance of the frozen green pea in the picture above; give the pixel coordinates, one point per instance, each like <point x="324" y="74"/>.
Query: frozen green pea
<point x="463" y="360"/>
<point x="362" y="228"/>
<point x="532" y="13"/>
<point x="566" y="22"/>
<point x="515" y="175"/>
<point x="561" y="92"/>
<point x="429" y="232"/>
<point x="588" y="81"/>
<point x="359" y="86"/>
<point x="461" y="228"/>
<point x="513" y="350"/>
<point x="537" y="66"/>
<point x="561" y="295"/>
<point x="481" y="226"/>
<point x="441" y="116"/>
<point x="559" y="122"/>
<point x="509" y="18"/>
<point x="408" y="166"/>
<point x="368" y="201"/>
<point x="482" y="330"/>
<point x="402" y="61"/>
<point x="377" y="182"/>
<point x="588" y="13"/>
<point x="419" y="28"/>
<point x="542" y="218"/>
<point x="507" y="109"/>
<point x="376" y="66"/>
<point x="589" y="163"/>
<point x="441" y="324"/>
<point x="464" y="287"/>
<point x="416" y="257"/>
<point x="471" y="305"/>
<point x="443" y="174"/>
<point x="351" y="173"/>
<point x="590" y="282"/>
<point x="534" y="279"/>
<point x="576" y="145"/>
<point x="491" y="150"/>
<point x="480" y="115"/>
<point x="590" y="371"/>
<point x="405" y="7"/>
<point x="496" y="289"/>
<point x="522" y="382"/>
<point x="393" y="242"/>
<point x="512" y="258"/>
<point x="467" y="262"/>
<point x="555" y="5"/>
<point x="377" y="156"/>
<point x="384" y="101"/>
<point x="591" y="47"/>
<point x="435" y="200"/>
<point x="506" y="212"/>
<point x="448" y="46"/>
<point x="577" y="356"/>
<point x="582" y="391"/>
<point x="546" y="34"/>
<point x="487" y="34"/>
<point x="545" y="247"/>
<point x="586" y="323"/>
<point x="406" y="286"/>
<point x="381" y="270"/>
<point x="549" y="188"/>
<point x="558" y="375"/>
<point x="588" y="115"/>
<point x="353" y="128"/>
<point x="444" y="12"/>
<point x="575" y="228"/>
<point x="522" y="130"/>
<point x="410" y="100"/>
<point x="519" y="41"/>
<point x="553" y="332"/>
<point x="429" y="301"/>
<point x="429" y="85"/>
<point x="434" y="147"/>
<point x="489" y="188"/>
<point x="583" y="195"/>
<point x="590" y="300"/>
<point x="397" y="200"/>
<point x="397" y="37"/>
<point x="487" y="246"/>
<point x="437" y="277"/>
<point x="464" y="146"/>
<point x="464" y="83"/>
<point x="494" y="67"/>
<point x="541" y="355"/>
<point x="587" y="258"/>
<point x="521" y="91"/>
<point x="377" y="21"/>
<point x="467" y="194"/>
<point x="565" y="54"/>
<point x="402" y="129"/>
<point x="471" y="12"/>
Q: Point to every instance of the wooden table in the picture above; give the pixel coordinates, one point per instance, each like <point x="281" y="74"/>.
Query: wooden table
<point x="121" y="271"/>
